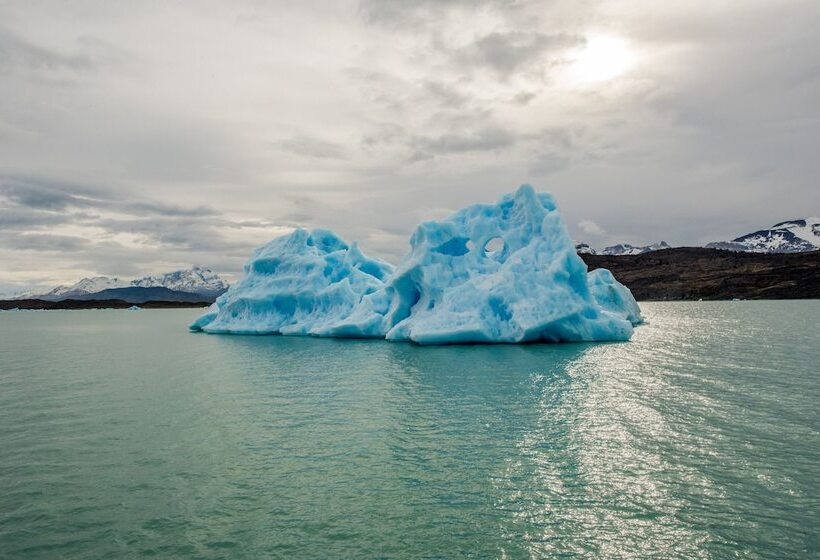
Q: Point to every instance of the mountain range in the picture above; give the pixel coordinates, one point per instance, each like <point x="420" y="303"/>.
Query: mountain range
<point x="197" y="281"/>
<point x="198" y="284"/>
<point x="621" y="249"/>
<point x="792" y="236"/>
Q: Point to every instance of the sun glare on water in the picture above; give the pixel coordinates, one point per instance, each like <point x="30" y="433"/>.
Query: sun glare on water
<point x="601" y="59"/>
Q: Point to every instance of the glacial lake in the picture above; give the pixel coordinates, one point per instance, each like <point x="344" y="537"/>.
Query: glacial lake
<point x="124" y="436"/>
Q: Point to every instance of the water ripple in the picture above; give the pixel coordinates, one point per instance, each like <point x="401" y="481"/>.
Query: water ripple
<point x="123" y="436"/>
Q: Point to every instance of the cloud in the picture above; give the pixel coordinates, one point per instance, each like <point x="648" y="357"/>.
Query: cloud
<point x="481" y="139"/>
<point x="168" y="210"/>
<point x="27" y="219"/>
<point x="180" y="233"/>
<point x="417" y="12"/>
<point x="311" y="147"/>
<point x="92" y="226"/>
<point x="508" y="52"/>
<point x="44" y="242"/>
<point x="192" y="133"/>
<point x="18" y="54"/>
<point x="45" y="194"/>
<point x="591" y="228"/>
<point x="447" y="94"/>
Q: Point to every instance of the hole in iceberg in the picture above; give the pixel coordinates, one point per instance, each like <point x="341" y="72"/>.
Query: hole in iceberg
<point x="494" y="248"/>
<point x="455" y="247"/>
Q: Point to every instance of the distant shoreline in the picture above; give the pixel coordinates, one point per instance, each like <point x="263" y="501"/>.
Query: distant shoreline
<point x="41" y="304"/>
<point x="36" y="305"/>
<point x="677" y="274"/>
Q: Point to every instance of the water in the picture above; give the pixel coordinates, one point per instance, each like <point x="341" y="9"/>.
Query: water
<point x="124" y="436"/>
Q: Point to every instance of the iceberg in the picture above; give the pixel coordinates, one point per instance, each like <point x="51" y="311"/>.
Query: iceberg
<point x="304" y="283"/>
<point x="490" y="273"/>
<point x="613" y="297"/>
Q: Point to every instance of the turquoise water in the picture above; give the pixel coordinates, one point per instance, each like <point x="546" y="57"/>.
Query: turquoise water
<point x="124" y="436"/>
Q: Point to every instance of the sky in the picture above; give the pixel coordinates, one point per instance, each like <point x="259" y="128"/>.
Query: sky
<point x="143" y="137"/>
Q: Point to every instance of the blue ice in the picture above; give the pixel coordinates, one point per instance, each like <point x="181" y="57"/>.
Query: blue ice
<point x="304" y="283"/>
<point x="490" y="273"/>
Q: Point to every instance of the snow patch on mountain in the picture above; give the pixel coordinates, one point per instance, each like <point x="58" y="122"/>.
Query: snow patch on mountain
<point x="196" y="280"/>
<point x="627" y="249"/>
<point x="87" y="286"/>
<point x="792" y="236"/>
<point x="621" y="249"/>
<point x="584" y="249"/>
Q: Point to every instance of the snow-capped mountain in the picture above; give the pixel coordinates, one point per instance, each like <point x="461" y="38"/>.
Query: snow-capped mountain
<point x="87" y="286"/>
<point x="621" y="249"/>
<point x="793" y="236"/>
<point x="627" y="249"/>
<point x="16" y="293"/>
<point x="196" y="280"/>
<point x="585" y="249"/>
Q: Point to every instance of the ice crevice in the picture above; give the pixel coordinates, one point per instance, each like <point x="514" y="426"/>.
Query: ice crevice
<point x="490" y="273"/>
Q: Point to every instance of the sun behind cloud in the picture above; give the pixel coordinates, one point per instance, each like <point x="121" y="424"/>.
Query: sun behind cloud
<point x="602" y="58"/>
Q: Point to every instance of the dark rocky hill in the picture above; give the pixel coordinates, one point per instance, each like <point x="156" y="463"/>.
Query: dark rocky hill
<point x="691" y="273"/>
<point x="140" y="295"/>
